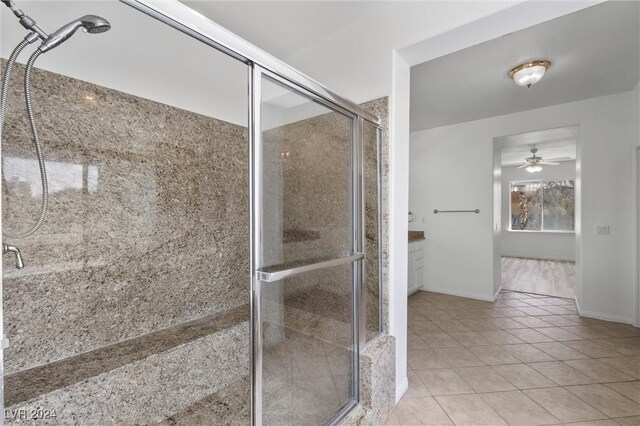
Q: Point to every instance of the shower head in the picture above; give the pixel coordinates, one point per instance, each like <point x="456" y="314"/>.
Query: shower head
<point x="89" y="23"/>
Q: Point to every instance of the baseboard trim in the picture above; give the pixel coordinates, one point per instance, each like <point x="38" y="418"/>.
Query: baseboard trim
<point x="497" y="293"/>
<point x="401" y="389"/>
<point x="459" y="293"/>
<point x="601" y="316"/>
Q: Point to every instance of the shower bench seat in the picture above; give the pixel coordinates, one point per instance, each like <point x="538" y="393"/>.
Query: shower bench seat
<point x="143" y="380"/>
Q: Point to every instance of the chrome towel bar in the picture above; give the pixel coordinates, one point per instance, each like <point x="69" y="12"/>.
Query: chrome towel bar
<point x="436" y="211"/>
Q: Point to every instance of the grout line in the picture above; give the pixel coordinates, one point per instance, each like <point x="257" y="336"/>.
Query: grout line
<point x="450" y="304"/>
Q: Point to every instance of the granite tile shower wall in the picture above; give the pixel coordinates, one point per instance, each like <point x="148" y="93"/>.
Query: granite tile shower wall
<point x="148" y="222"/>
<point x="146" y="249"/>
<point x="379" y="107"/>
<point x="316" y="199"/>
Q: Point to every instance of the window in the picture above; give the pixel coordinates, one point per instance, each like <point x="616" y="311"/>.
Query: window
<point x="543" y="205"/>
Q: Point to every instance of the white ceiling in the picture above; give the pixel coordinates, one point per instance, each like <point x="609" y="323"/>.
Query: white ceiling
<point x="285" y="27"/>
<point x="139" y="55"/>
<point x="344" y="45"/>
<point x="553" y="144"/>
<point x="594" y="52"/>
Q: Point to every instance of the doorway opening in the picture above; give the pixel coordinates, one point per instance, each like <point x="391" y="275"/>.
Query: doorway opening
<point x="538" y="211"/>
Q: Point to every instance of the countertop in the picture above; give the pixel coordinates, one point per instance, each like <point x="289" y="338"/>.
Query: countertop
<point x="416" y="236"/>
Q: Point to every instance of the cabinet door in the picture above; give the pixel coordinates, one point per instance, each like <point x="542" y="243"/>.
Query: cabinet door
<point x="419" y="275"/>
<point x="411" y="273"/>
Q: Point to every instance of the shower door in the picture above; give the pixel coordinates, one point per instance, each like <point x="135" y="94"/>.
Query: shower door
<point x="306" y="255"/>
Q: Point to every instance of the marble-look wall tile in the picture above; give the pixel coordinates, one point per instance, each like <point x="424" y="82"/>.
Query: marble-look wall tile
<point x="379" y="107"/>
<point x="150" y="390"/>
<point x="148" y="219"/>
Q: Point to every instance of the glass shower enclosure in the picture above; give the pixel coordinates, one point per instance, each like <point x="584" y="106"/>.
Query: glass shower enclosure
<point x="315" y="184"/>
<point x="307" y="254"/>
<point x="315" y="231"/>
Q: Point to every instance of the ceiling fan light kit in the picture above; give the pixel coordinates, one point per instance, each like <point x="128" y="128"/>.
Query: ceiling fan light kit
<point x="534" y="163"/>
<point x="529" y="73"/>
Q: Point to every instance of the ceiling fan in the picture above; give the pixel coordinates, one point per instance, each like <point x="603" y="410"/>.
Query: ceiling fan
<point x="534" y="163"/>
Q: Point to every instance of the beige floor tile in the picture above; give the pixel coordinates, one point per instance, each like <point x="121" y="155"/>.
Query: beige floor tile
<point x="563" y="405"/>
<point x="500" y="337"/>
<point x="629" y="389"/>
<point x="443" y="382"/>
<point x="606" y="400"/>
<point x="595" y="423"/>
<point x="515" y="303"/>
<point x="560" y="320"/>
<point x="532" y="322"/>
<point x="529" y="335"/>
<point x="493" y="355"/>
<point x="469" y="410"/>
<point x="423" y="326"/>
<point x="618" y="330"/>
<point x="591" y="348"/>
<point x="415" y="342"/>
<point x="481" y="359"/>
<point x="540" y="301"/>
<point x="439" y="340"/>
<point x="479" y="324"/>
<point x="484" y="379"/>
<point x="418" y="411"/>
<point x="629" y="364"/>
<point x="506" y="323"/>
<point x="437" y="315"/>
<point x="629" y="421"/>
<point x="424" y="358"/>
<point x="518" y="409"/>
<point x="527" y="353"/>
<point x="451" y="325"/>
<point x="560" y="351"/>
<point x="470" y="338"/>
<point x="588" y="331"/>
<point x="458" y="357"/>
<point x="558" y="310"/>
<point x="558" y="333"/>
<point x="561" y="373"/>
<point x="597" y="370"/>
<point x="416" y="387"/>
<point x="624" y="345"/>
<point x="532" y="310"/>
<point x="523" y="377"/>
<point x="509" y="312"/>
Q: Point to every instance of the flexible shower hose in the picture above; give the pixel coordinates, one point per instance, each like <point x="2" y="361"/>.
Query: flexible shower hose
<point x="34" y="130"/>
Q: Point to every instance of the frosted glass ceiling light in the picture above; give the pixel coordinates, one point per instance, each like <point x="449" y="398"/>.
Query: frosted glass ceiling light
<point x="529" y="73"/>
<point x="533" y="168"/>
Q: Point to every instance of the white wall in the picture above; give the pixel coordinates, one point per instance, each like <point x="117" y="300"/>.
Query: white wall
<point x="452" y="170"/>
<point x="451" y="167"/>
<point x="398" y="235"/>
<point x="537" y="245"/>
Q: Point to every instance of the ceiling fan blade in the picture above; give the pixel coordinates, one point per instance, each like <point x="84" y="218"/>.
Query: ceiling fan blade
<point x="560" y="159"/>
<point x="522" y="165"/>
<point x="549" y="163"/>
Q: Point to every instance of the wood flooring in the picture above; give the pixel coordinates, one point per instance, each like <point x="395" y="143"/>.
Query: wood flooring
<point x="547" y="277"/>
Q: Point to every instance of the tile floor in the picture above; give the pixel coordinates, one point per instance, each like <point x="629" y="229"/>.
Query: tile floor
<point x="525" y="359"/>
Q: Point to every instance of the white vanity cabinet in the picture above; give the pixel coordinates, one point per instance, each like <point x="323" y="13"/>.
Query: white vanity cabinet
<point x="416" y="265"/>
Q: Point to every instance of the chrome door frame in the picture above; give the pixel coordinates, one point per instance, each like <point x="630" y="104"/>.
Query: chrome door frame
<point x="355" y="258"/>
<point x="259" y="62"/>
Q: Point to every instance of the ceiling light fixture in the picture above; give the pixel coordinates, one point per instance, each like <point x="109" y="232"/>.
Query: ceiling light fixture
<point x="534" y="168"/>
<point x="529" y="73"/>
